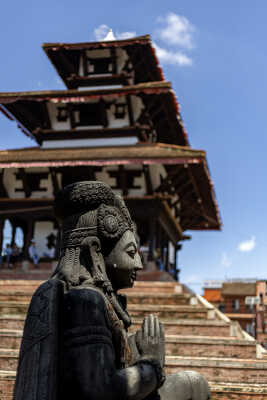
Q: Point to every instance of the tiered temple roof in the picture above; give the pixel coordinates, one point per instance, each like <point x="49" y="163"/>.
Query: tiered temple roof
<point x="160" y="112"/>
<point x="142" y="61"/>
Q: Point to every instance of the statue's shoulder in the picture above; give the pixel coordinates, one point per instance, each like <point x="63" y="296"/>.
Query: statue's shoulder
<point x="85" y="305"/>
<point x="85" y="297"/>
<point x="49" y="287"/>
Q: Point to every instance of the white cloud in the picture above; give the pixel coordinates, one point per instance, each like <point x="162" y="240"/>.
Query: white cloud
<point x="172" y="57"/>
<point x="125" y="35"/>
<point x="247" y="245"/>
<point x="101" y="32"/>
<point x="225" y="261"/>
<point x="177" y="30"/>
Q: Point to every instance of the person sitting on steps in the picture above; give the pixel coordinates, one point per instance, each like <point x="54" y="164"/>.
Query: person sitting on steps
<point x="33" y="254"/>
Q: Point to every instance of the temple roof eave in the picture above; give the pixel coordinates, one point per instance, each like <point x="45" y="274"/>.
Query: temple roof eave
<point x="98" y="44"/>
<point x="140" y="153"/>
<point x="180" y="159"/>
<point x="13" y="105"/>
<point x="6" y="97"/>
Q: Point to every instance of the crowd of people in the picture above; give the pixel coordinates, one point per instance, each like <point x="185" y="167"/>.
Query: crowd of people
<point x="12" y="254"/>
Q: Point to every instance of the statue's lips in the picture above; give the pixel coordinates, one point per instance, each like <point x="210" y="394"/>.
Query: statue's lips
<point x="133" y="276"/>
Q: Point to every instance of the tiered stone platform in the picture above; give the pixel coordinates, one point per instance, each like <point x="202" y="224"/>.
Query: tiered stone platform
<point x="198" y="337"/>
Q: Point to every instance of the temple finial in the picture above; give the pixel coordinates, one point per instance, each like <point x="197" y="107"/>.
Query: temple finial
<point x="110" y="36"/>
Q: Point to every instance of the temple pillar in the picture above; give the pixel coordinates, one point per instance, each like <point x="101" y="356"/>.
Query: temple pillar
<point x="177" y="269"/>
<point x="28" y="237"/>
<point x="167" y="256"/>
<point x="2" y="223"/>
<point x="13" y="235"/>
<point x="152" y="239"/>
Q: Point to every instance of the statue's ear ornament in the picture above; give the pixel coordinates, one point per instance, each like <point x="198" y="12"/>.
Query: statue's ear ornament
<point x="111" y="223"/>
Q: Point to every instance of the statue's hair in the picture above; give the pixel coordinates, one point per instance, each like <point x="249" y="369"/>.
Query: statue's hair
<point x="80" y="197"/>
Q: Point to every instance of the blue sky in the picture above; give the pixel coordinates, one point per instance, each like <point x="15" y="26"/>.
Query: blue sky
<point x="214" y="53"/>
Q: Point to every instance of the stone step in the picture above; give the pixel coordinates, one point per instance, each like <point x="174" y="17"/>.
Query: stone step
<point x="237" y="391"/>
<point x="13" y="307"/>
<point x="201" y="346"/>
<point x="219" y="392"/>
<point x="32" y="274"/>
<point x="10" y="338"/>
<point x="14" y="321"/>
<point x="135" y="297"/>
<point x="16" y="296"/>
<point x="7" y="381"/>
<point x="220" y="370"/>
<point x="19" y="285"/>
<point x="19" y="295"/>
<point x="8" y="359"/>
<point x="156" y="287"/>
<point x="176" y="345"/>
<point x="135" y="310"/>
<point x="170" y="311"/>
<point x="189" y="327"/>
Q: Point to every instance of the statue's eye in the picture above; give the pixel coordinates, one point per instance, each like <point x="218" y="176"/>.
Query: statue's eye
<point x="131" y="252"/>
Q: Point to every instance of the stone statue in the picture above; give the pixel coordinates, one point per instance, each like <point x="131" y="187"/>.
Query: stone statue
<point x="75" y="343"/>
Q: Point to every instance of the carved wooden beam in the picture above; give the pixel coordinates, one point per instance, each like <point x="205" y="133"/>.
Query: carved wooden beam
<point x="25" y="182"/>
<point x="149" y="188"/>
<point x="54" y="181"/>
<point x="3" y="191"/>
<point x="114" y="60"/>
<point x="67" y="65"/>
<point x="125" y="178"/>
<point x="25" y="115"/>
<point x="45" y="113"/>
<point x="130" y="110"/>
<point x="51" y="134"/>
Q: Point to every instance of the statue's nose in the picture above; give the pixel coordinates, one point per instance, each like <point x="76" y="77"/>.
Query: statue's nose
<point x="138" y="262"/>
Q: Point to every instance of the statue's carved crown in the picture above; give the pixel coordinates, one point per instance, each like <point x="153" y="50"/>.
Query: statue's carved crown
<point x="91" y="208"/>
<point x="82" y="197"/>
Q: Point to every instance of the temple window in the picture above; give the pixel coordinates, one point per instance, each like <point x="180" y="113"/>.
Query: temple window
<point x="98" y="66"/>
<point x="236" y="304"/>
<point x="125" y="179"/>
<point x="62" y="114"/>
<point x="31" y="181"/>
<point x="120" y="110"/>
<point x="90" y="114"/>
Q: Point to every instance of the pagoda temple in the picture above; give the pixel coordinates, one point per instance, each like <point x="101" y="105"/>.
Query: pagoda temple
<point x="118" y="121"/>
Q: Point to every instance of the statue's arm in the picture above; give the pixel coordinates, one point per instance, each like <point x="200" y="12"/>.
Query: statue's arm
<point x="89" y="364"/>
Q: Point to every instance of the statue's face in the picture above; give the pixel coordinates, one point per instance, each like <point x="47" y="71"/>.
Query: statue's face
<point x="123" y="262"/>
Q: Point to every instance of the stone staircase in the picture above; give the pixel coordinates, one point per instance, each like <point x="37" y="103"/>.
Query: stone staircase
<point x="198" y="337"/>
<point x="201" y="338"/>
